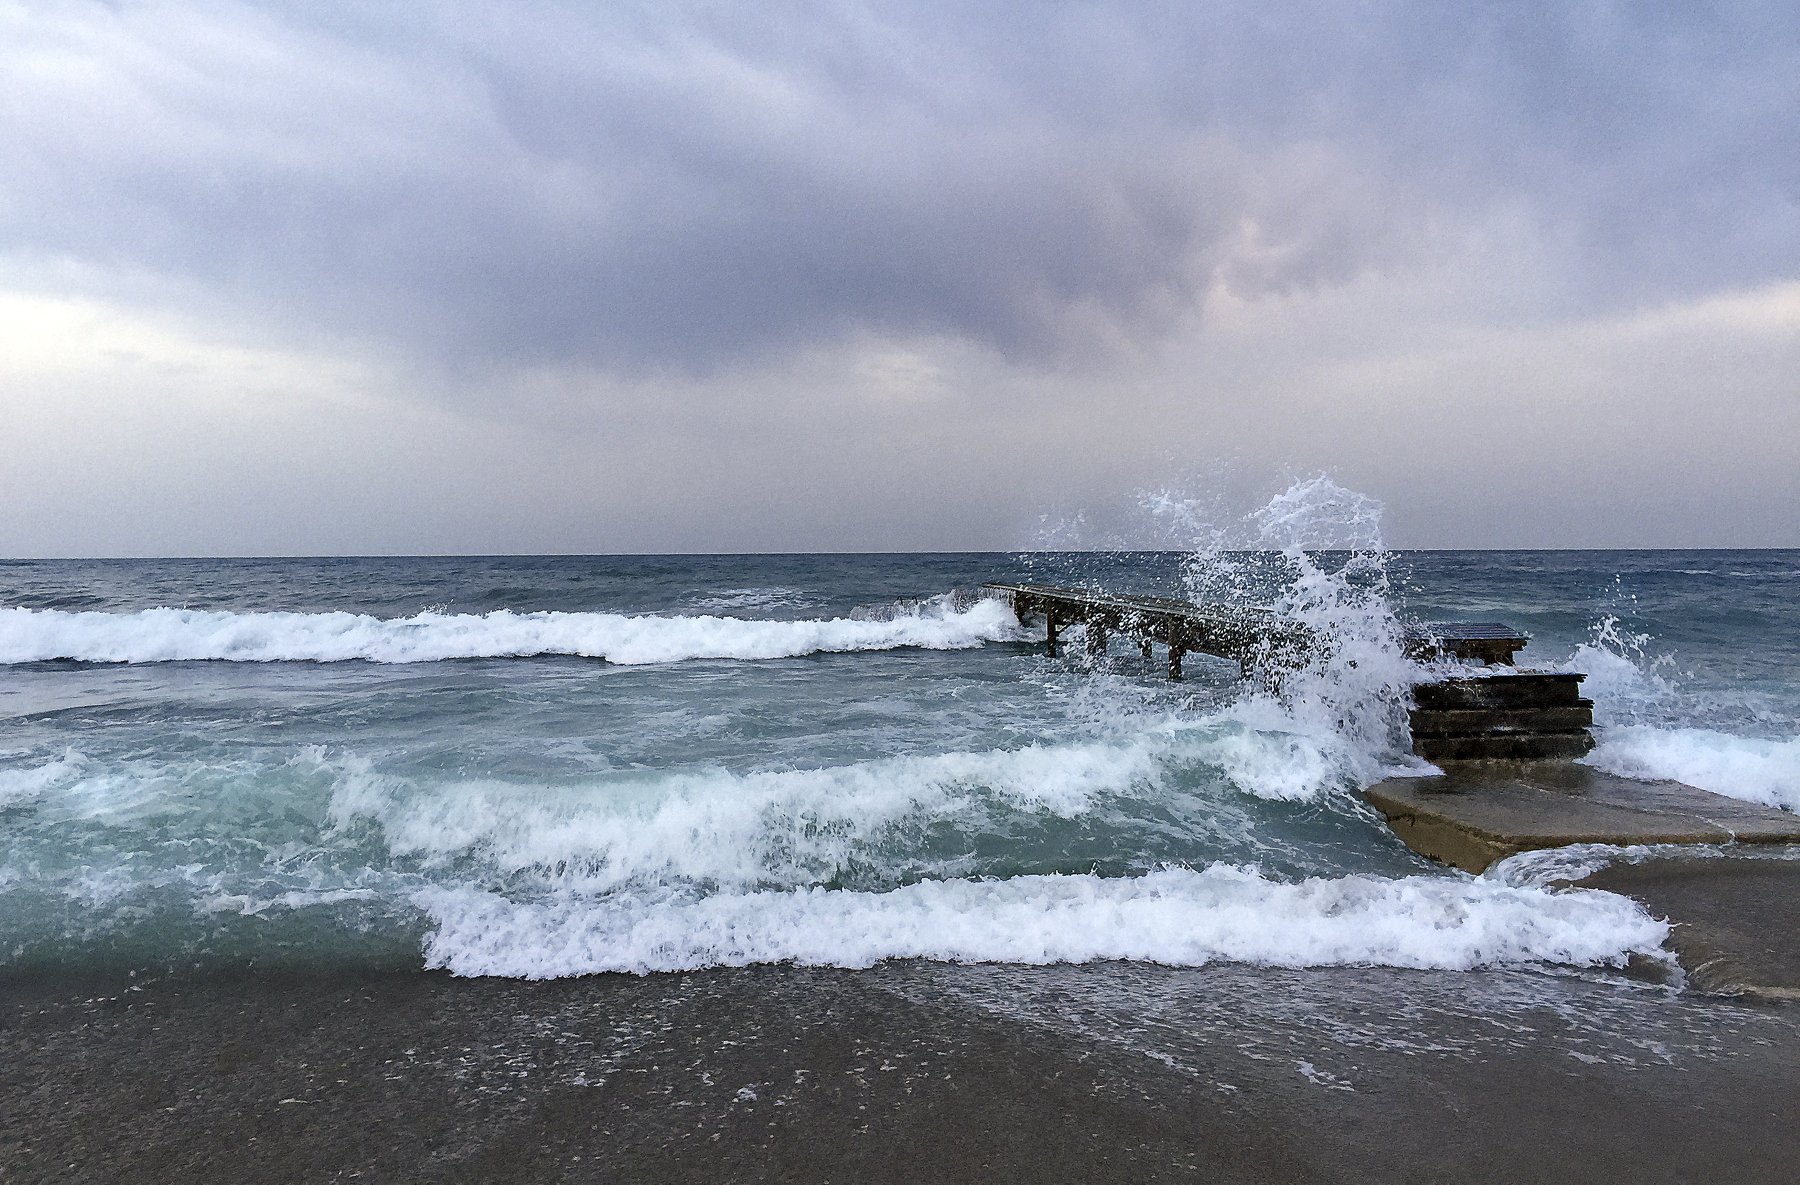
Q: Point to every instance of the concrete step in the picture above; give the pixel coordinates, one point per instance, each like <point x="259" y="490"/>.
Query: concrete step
<point x="1501" y="691"/>
<point x="1477" y="721"/>
<point x="1506" y="746"/>
<point x="1471" y="815"/>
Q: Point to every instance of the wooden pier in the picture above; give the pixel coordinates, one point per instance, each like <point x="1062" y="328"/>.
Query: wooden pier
<point x="1253" y="637"/>
<point x="1247" y="636"/>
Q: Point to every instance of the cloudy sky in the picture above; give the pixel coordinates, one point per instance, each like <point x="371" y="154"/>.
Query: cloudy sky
<point x="320" y="277"/>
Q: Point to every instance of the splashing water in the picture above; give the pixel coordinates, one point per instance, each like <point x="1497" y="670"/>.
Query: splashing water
<point x="1314" y="554"/>
<point x="1627" y="683"/>
<point x="1653" y="723"/>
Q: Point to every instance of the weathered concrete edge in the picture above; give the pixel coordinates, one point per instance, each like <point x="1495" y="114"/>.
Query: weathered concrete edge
<point x="1466" y="845"/>
<point x="1709" y="967"/>
<point x="1707" y="959"/>
<point x="1462" y="843"/>
<point x="1735" y="915"/>
<point x="1437" y="838"/>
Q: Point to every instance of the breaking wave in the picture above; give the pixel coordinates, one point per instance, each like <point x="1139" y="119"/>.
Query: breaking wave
<point x="1175" y="916"/>
<point x="1747" y="768"/>
<point x="21" y="786"/>
<point x="954" y="856"/>
<point x="1654" y="728"/>
<point x="186" y="635"/>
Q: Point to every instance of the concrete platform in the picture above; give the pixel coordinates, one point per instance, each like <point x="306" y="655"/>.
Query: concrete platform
<point x="1478" y="813"/>
<point x="1737" y="920"/>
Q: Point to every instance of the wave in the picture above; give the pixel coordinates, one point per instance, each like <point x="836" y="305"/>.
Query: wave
<point x="1174" y="916"/>
<point x="943" y="856"/>
<point x="1747" y="768"/>
<point x="1167" y="787"/>
<point x="1652" y="727"/>
<point x="186" y="635"/>
<point x="719" y="827"/>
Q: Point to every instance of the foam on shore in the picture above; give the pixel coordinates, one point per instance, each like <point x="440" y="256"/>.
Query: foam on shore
<point x="1174" y="916"/>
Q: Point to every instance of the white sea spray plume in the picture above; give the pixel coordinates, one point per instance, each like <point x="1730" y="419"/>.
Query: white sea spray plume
<point x="1332" y="717"/>
<point x="1627" y="683"/>
<point x="1644" y="731"/>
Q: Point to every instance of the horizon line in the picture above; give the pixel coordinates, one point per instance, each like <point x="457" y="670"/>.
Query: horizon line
<point x="548" y="555"/>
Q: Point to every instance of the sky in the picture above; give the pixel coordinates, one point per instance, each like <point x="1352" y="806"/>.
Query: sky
<point x="428" y="277"/>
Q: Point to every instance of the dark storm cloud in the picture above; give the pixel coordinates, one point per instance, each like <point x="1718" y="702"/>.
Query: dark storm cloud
<point x="690" y="186"/>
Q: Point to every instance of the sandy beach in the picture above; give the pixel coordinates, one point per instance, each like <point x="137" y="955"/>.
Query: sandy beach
<point x="908" y="1072"/>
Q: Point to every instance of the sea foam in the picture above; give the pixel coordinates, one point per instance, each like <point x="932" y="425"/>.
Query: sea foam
<point x="21" y="786"/>
<point x="1176" y="916"/>
<point x="1749" y="768"/>
<point x="888" y="818"/>
<point x="178" y="635"/>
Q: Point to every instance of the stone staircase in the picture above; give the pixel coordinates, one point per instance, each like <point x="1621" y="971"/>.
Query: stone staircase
<point x="1522" y="716"/>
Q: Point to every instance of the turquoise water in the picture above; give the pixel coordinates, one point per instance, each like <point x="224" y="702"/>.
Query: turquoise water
<point x="550" y="766"/>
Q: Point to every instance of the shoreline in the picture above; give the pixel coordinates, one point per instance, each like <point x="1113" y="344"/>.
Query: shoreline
<point x="906" y="1072"/>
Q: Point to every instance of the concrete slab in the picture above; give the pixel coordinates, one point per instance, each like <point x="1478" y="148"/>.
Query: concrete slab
<point x="1737" y="920"/>
<point x="1478" y="813"/>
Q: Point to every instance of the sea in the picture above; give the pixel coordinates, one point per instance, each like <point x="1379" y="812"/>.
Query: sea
<point x="541" y="767"/>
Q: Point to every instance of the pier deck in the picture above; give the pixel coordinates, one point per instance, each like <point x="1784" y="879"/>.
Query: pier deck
<point x="1247" y="635"/>
<point x="1243" y="635"/>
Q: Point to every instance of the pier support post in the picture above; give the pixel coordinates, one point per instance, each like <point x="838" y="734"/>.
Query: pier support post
<point x="1050" y="632"/>
<point x="1144" y="648"/>
<point x="1096" y="639"/>
<point x="1175" y="663"/>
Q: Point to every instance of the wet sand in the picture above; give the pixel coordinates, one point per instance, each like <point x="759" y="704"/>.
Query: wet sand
<point x="909" y="1072"/>
<point x="1737" y="921"/>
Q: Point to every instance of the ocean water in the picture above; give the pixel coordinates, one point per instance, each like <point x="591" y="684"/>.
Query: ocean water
<point x="543" y="767"/>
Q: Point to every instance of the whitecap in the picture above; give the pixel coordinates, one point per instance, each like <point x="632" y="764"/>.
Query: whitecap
<point x="1175" y="916"/>
<point x="1749" y="768"/>
<point x="178" y="635"/>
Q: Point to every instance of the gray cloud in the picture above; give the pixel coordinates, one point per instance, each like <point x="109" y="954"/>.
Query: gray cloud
<point x="637" y="188"/>
<point x="331" y="276"/>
